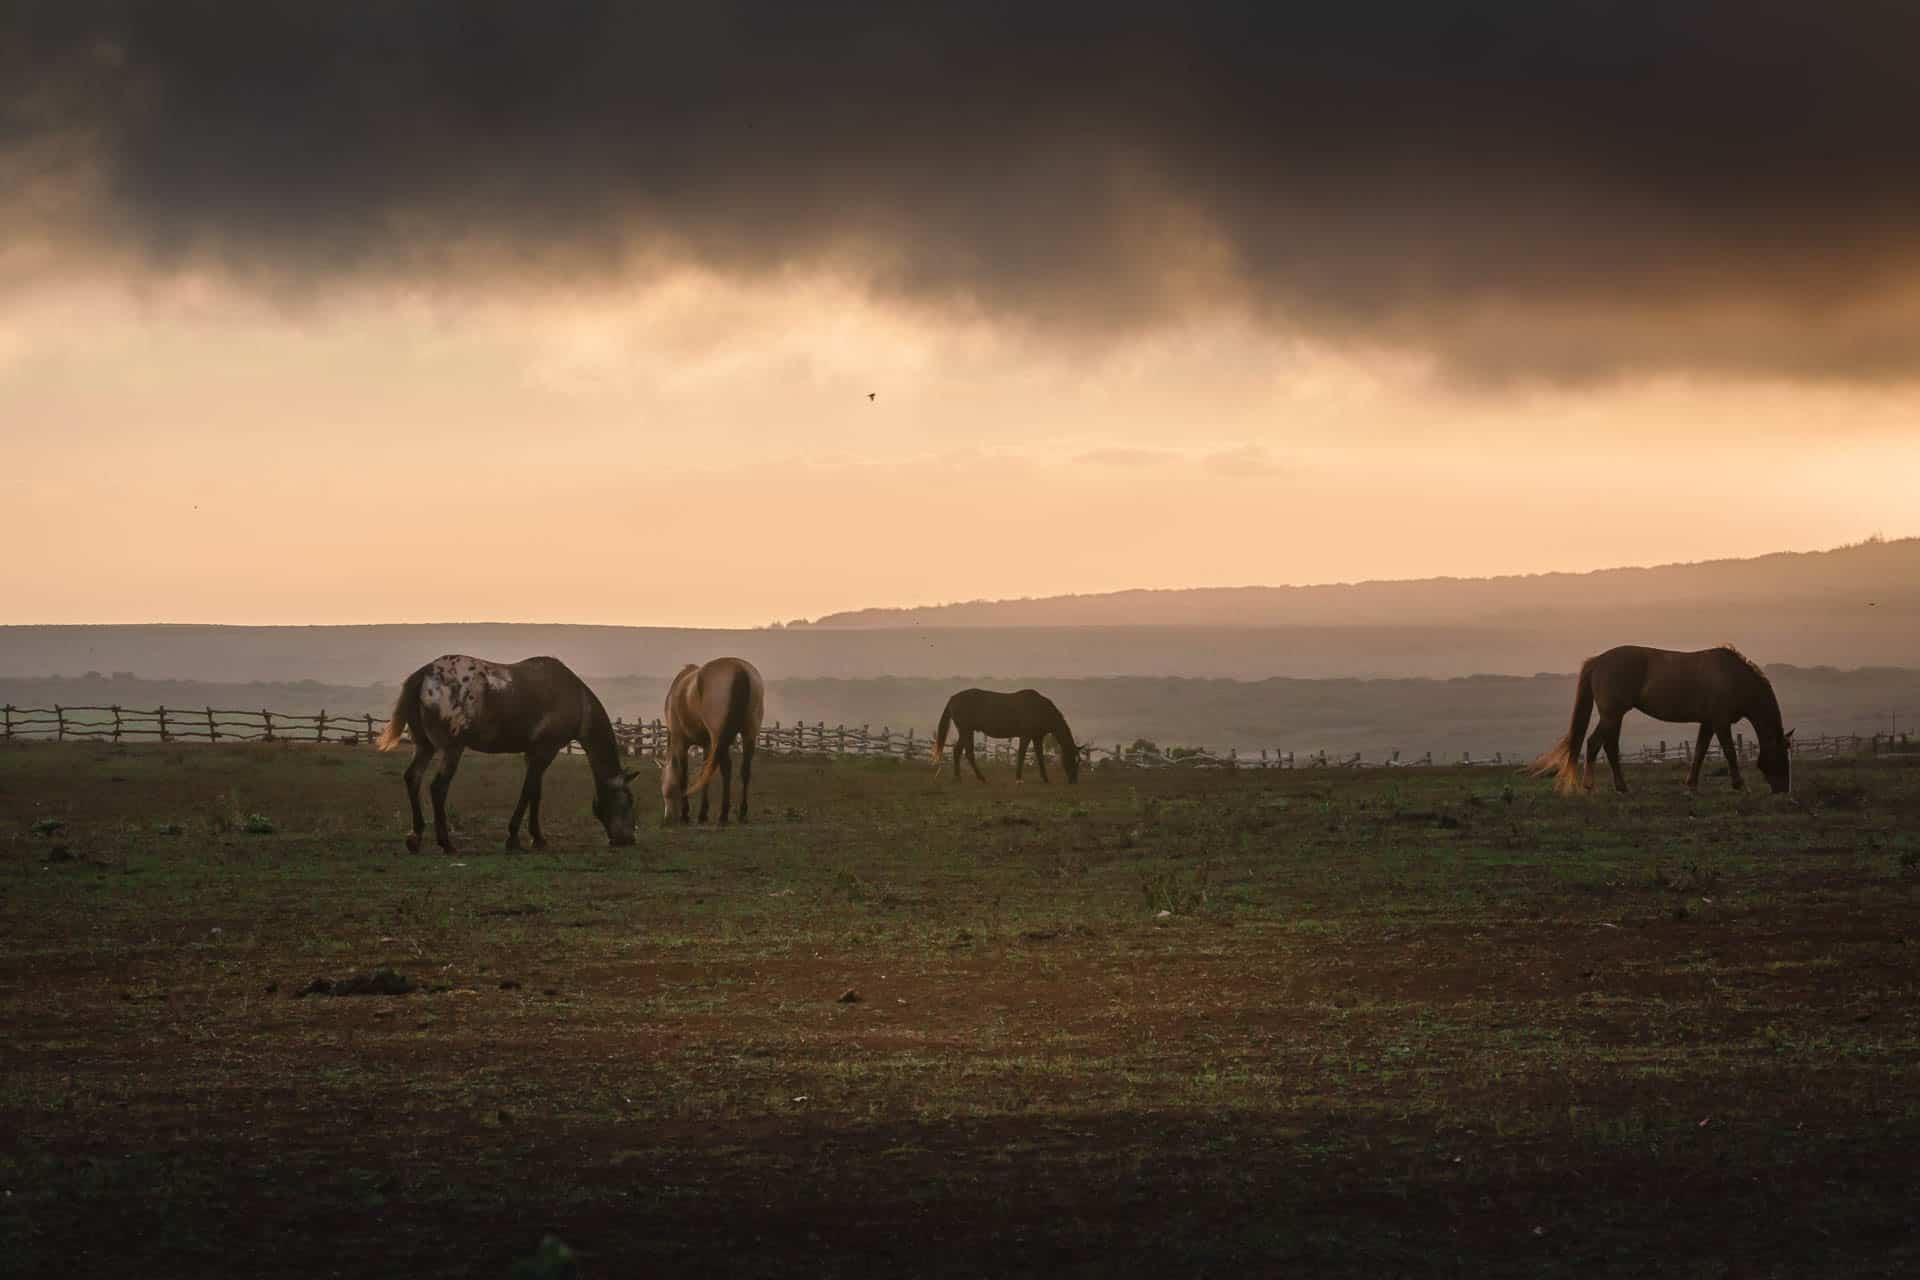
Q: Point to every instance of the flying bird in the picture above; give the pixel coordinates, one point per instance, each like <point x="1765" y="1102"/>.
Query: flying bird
<point x="872" y="394"/>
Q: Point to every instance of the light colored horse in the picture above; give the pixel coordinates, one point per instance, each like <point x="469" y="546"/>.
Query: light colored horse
<point x="709" y="707"/>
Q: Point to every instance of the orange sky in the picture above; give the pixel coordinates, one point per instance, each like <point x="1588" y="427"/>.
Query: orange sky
<point x="697" y="450"/>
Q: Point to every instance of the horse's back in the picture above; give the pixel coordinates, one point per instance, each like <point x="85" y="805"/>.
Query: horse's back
<point x="1676" y="685"/>
<point x="707" y="696"/>
<point x="493" y="706"/>
<point x="1023" y="713"/>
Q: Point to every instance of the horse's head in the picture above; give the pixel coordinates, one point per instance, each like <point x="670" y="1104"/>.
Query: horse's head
<point x="673" y="785"/>
<point x="613" y="805"/>
<point x="1070" y="761"/>
<point x="1776" y="763"/>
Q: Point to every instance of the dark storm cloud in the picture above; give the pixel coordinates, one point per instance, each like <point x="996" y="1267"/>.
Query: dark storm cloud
<point x="1566" y="189"/>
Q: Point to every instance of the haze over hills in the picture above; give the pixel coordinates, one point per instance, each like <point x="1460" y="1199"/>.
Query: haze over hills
<point x="1873" y="574"/>
<point x="1855" y="606"/>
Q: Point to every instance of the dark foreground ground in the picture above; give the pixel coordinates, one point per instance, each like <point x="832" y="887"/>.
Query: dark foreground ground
<point x="1421" y="1022"/>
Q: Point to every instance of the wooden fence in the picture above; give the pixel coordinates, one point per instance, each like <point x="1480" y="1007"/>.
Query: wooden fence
<point x="648" y="738"/>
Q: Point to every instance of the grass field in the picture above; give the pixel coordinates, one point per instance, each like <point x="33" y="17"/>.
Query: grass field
<point x="1420" y="1022"/>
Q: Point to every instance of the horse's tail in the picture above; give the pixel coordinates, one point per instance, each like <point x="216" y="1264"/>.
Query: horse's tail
<point x="1564" y="760"/>
<point x="406" y="709"/>
<point x="940" y="734"/>
<point x="732" y="724"/>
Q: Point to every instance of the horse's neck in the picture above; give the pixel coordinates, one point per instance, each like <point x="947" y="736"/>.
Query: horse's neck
<point x="1764" y="712"/>
<point x="596" y="735"/>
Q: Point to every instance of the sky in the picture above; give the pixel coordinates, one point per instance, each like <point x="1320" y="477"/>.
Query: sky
<point x="571" y="312"/>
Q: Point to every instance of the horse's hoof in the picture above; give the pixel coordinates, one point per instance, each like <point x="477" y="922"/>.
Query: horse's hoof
<point x="539" y="846"/>
<point x="448" y="848"/>
<point x="513" y="844"/>
<point x="413" y="843"/>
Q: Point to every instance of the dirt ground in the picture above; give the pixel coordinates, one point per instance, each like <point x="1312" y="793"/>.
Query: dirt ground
<point x="1427" y="1022"/>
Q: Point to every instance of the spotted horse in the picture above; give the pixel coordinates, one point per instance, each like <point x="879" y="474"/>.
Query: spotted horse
<point x="535" y="707"/>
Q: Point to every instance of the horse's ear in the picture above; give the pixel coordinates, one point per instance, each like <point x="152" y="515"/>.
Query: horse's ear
<point x="629" y="774"/>
<point x="1789" y="735"/>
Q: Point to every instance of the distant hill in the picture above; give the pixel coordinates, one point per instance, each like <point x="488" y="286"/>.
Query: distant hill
<point x="1854" y="607"/>
<point x="1875" y="574"/>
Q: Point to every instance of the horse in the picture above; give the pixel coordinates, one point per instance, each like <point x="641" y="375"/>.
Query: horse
<point x="1711" y="687"/>
<point x="535" y="707"/>
<point x="710" y="706"/>
<point x="1027" y="715"/>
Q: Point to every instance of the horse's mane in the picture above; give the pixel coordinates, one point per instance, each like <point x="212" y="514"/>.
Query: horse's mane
<point x="1751" y="664"/>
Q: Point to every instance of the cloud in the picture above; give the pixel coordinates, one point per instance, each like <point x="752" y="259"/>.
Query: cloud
<point x="1561" y="192"/>
<point x="1246" y="460"/>
<point x="1120" y="456"/>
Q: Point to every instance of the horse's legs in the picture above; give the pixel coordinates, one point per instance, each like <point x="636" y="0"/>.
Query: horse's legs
<point x="1612" y="744"/>
<point x="537" y="761"/>
<point x="417" y="769"/>
<point x="686" y="810"/>
<point x="959" y="746"/>
<point x="746" y="770"/>
<point x="706" y="792"/>
<point x="972" y="759"/>
<point x="726" y="780"/>
<point x="1733" y="757"/>
<point x="1040" y="757"/>
<point x="1019" y="758"/>
<point x="1699" y="755"/>
<point x="449" y="762"/>
<point x="1594" y="742"/>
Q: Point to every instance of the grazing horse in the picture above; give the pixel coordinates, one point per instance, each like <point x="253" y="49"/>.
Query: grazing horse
<point x="710" y="706"/>
<point x="1026" y="715"/>
<point x="1711" y="687"/>
<point x="533" y="707"/>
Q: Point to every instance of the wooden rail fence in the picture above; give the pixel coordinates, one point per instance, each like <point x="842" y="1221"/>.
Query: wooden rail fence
<point x="648" y="738"/>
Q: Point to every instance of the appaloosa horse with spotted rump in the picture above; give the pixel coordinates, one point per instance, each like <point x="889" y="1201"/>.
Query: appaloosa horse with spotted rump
<point x="535" y="707"/>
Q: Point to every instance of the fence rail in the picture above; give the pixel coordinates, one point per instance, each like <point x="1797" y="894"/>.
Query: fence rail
<point x="648" y="738"/>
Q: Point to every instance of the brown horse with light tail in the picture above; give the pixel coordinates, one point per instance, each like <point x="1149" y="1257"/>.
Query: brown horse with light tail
<point x="533" y="707"/>
<point x="709" y="707"/>
<point x="1026" y="715"/>
<point x="1714" y="688"/>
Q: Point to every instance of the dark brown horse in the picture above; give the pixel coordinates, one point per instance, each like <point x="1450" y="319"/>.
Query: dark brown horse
<point x="535" y="707"/>
<point x="709" y="707"/>
<point x="1025" y="715"/>
<point x="1711" y="687"/>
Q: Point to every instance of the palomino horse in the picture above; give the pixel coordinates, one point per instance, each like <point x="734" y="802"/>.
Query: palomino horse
<point x="1026" y="715"/>
<point x="709" y="707"/>
<point x="1711" y="687"/>
<point x="533" y="707"/>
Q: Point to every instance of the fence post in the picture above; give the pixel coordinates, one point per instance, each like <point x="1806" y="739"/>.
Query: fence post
<point x="213" y="731"/>
<point x="267" y="717"/>
<point x="116" y="723"/>
<point x="164" y="735"/>
<point x="60" y="722"/>
<point x="369" y="728"/>
<point x="320" y="727"/>
<point x="9" y="721"/>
